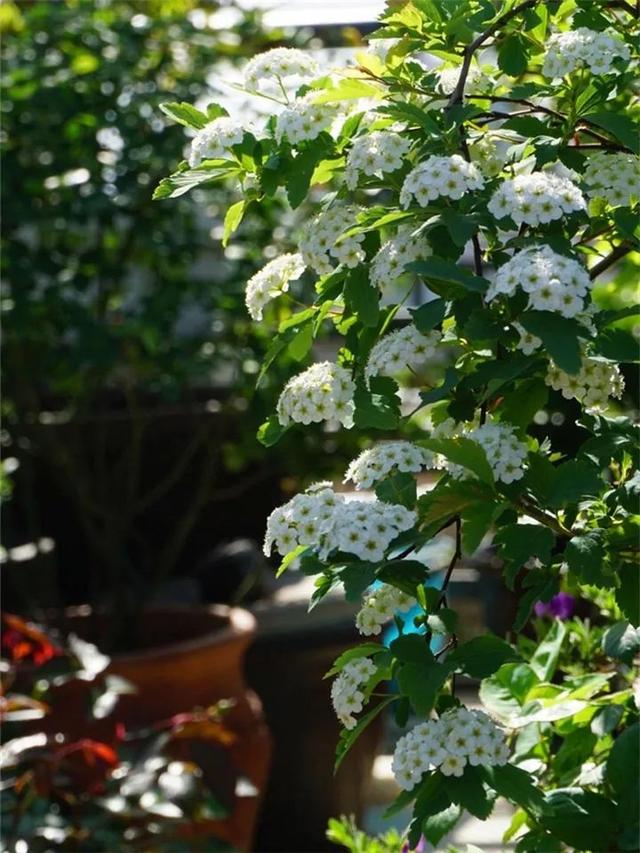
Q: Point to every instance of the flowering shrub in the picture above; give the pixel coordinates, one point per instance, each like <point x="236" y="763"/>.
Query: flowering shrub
<point x="498" y="136"/>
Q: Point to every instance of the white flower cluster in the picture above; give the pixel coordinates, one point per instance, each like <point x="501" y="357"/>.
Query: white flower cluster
<point x="486" y="155"/>
<point x="553" y="282"/>
<point x="458" y="738"/>
<point x="318" y="243"/>
<point x="536" y="198"/>
<point x="379" y="461"/>
<point x="367" y="528"/>
<point x="279" y="66"/>
<point x="582" y="48"/>
<point x="214" y="140"/>
<point x="379" y="605"/>
<point x="504" y="451"/>
<point x="614" y="177"/>
<point x="451" y="177"/>
<point x="303" y="120"/>
<point x="347" y="696"/>
<point x="476" y="80"/>
<point x="272" y="280"/>
<point x="392" y="257"/>
<point x="406" y="347"/>
<point x="322" y="519"/>
<point x="592" y="385"/>
<point x="301" y="521"/>
<point x="375" y="154"/>
<point x="322" y="392"/>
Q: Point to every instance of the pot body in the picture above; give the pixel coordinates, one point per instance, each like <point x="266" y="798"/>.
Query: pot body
<point x="192" y="657"/>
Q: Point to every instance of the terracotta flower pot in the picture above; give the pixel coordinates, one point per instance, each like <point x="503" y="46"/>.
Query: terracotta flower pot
<point x="191" y="657"/>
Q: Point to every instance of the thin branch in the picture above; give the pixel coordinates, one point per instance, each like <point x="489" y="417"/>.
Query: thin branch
<point x="470" y="49"/>
<point x="610" y="259"/>
<point x="456" y="556"/>
<point x="544" y="518"/>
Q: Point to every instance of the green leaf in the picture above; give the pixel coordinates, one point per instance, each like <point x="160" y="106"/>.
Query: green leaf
<point x="356" y="578"/>
<point x="464" y="452"/>
<point x="573" y="481"/>
<point x="527" y="126"/>
<point x="621" y="641"/>
<point x="271" y="431"/>
<point x="289" y="558"/>
<point x="482" y="656"/>
<point x="621" y="127"/>
<point x="505" y="691"/>
<point x="361" y="298"/>
<point x="362" y="651"/>
<point x="460" y="227"/>
<point x="301" y="343"/>
<point x="519" y="406"/>
<point x="233" y="218"/>
<point x="429" y="315"/>
<point x="348" y="738"/>
<point x="583" y="819"/>
<point x="412" y="648"/>
<point x="379" y="407"/>
<point x="513" y="56"/>
<point x="299" y="173"/>
<point x="476" y="523"/>
<point x="186" y="114"/>
<point x="435" y="827"/>
<point x="606" y="719"/>
<point x="421" y="683"/>
<point x="469" y="792"/>
<point x="515" y="785"/>
<point x="449" y="499"/>
<point x="441" y="391"/>
<point x="628" y="593"/>
<point x="400" y="489"/>
<point x="348" y="89"/>
<point x="545" y="658"/>
<point x="559" y="336"/>
<point x="618" y="345"/>
<point x="622" y="767"/>
<point x="436" y="270"/>
<point x="443" y="621"/>
<point x="585" y="556"/>
<point x="519" y="542"/>
<point x="181" y="182"/>
<point x="406" y="575"/>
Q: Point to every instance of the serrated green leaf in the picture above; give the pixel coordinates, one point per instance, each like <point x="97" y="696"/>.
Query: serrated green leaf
<point x="513" y="56"/>
<point x="429" y="315"/>
<point x="482" y="656"/>
<point x="400" y="488"/>
<point x="621" y="127"/>
<point x="469" y="792"/>
<point x="515" y="785"/>
<point x="464" y="452"/>
<point x="348" y="738"/>
<point x="560" y="336"/>
<point x="545" y="658"/>
<point x="621" y="641"/>
<point x="186" y="114"/>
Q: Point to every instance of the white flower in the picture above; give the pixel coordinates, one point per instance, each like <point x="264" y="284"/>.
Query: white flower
<point x="375" y="153"/>
<point x="451" y="177"/>
<point x="553" y="282"/>
<point x="528" y="343"/>
<point x="280" y="66"/>
<point x="392" y="257"/>
<point x="476" y="80"/>
<point x="272" y="280"/>
<point x="614" y="177"/>
<point x="367" y="528"/>
<point x="379" y="606"/>
<point x="581" y="48"/>
<point x="214" y="140"/>
<point x="303" y="120"/>
<point x="346" y="691"/>
<point x="323" y="392"/>
<point x="459" y="737"/>
<point x="319" y="242"/>
<point x="406" y="347"/>
<point x="592" y="386"/>
<point x="301" y="521"/>
<point x="504" y="451"/>
<point x="536" y="198"/>
<point x="486" y="155"/>
<point x="376" y="463"/>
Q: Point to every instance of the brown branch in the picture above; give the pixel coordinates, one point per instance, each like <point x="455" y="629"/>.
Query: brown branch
<point x="456" y="556"/>
<point x="610" y="259"/>
<point x="472" y="47"/>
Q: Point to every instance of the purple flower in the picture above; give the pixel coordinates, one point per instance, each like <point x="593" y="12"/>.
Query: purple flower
<point x="561" y="606"/>
<point x="419" y="848"/>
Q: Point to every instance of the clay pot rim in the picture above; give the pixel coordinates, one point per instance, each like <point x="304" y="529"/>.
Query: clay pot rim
<point x="238" y="625"/>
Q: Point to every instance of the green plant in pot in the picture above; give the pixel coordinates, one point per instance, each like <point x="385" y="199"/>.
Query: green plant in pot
<point x="487" y="150"/>
<point x="129" y="359"/>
